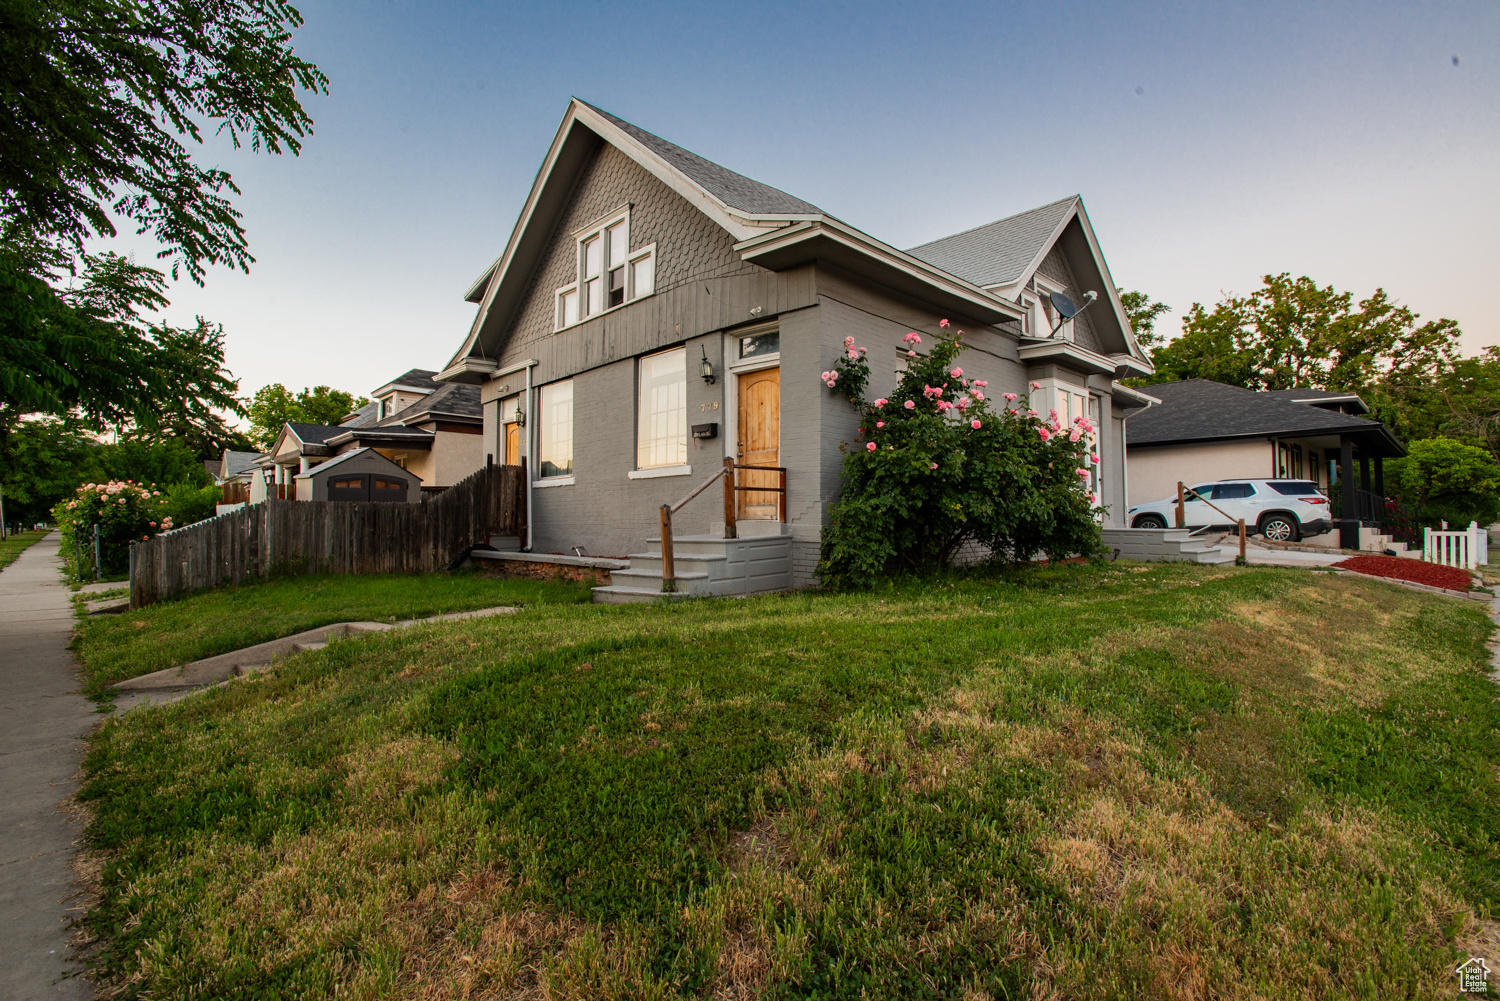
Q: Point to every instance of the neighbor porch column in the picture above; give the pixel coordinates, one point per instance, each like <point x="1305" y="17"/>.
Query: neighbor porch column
<point x="1348" y="496"/>
<point x="1380" y="475"/>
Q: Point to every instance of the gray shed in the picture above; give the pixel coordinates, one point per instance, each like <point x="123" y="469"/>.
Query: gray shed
<point x="360" y="475"/>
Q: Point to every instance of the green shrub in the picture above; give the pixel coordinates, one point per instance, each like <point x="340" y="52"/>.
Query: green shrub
<point x="187" y="503"/>
<point x="1446" y="480"/>
<point x="938" y="470"/>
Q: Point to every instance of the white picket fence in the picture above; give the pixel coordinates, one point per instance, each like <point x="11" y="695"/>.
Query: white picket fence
<point x="1465" y="548"/>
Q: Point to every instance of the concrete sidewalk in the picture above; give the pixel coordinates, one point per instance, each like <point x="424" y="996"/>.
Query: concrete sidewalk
<point x="42" y="717"/>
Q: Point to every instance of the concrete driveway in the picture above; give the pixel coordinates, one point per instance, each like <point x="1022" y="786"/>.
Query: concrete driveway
<point x="42" y="717"/>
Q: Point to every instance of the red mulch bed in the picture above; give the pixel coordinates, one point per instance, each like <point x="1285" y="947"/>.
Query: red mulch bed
<point x="1431" y="574"/>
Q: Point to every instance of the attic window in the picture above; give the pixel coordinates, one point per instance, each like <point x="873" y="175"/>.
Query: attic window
<point x="610" y="274"/>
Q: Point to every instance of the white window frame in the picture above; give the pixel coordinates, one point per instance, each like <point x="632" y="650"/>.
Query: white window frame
<point x="599" y="229"/>
<point x="640" y="405"/>
<point x="541" y="437"/>
<point x="1043" y="309"/>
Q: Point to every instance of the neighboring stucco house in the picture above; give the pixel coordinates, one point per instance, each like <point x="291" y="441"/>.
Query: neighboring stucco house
<point x="1203" y="431"/>
<point x="653" y="313"/>
<point x="433" y="429"/>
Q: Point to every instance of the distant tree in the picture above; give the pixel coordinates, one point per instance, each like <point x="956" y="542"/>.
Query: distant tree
<point x="48" y="459"/>
<point x="101" y="99"/>
<point x="275" y="405"/>
<point x="1142" y="313"/>
<point x="1447" y="480"/>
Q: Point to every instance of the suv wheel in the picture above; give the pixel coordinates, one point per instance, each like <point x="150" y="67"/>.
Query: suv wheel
<point x="1279" y="528"/>
<point x="1150" y="521"/>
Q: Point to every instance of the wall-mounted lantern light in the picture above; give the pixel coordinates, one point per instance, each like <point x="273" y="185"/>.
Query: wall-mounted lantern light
<point x="707" y="368"/>
<point x="520" y="416"/>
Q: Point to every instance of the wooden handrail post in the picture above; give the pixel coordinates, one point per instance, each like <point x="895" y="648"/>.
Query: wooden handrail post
<point x="783" y="496"/>
<point x="1242" y="541"/>
<point x="668" y="565"/>
<point x="1181" y="507"/>
<point x="730" y="529"/>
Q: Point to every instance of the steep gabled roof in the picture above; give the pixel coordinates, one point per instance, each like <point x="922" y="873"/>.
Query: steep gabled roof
<point x="735" y="190"/>
<point x="237" y="463"/>
<point x="1000" y="252"/>
<point x="364" y="416"/>
<point x="313" y="434"/>
<point x="1197" y="410"/>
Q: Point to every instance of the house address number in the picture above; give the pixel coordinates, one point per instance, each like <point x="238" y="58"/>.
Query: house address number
<point x="707" y="407"/>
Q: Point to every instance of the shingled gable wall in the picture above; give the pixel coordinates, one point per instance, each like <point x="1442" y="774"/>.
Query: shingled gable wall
<point x="1055" y="267"/>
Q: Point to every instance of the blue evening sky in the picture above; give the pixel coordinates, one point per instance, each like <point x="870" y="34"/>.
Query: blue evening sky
<point x="1212" y="143"/>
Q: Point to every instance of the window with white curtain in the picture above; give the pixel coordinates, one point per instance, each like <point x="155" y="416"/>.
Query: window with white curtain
<point x="661" y="431"/>
<point x="557" y="429"/>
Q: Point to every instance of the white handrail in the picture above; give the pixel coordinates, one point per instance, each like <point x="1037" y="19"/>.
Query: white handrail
<point x="1464" y="548"/>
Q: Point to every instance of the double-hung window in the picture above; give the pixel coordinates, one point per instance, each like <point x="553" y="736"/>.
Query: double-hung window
<point x="661" y="431"/>
<point x="557" y="429"/>
<point x="610" y="274"/>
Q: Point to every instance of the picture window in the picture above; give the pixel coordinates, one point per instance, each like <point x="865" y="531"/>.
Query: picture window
<point x="661" y="433"/>
<point x="557" y="429"/>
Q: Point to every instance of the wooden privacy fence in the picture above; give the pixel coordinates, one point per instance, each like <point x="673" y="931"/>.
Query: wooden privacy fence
<point x="338" y="537"/>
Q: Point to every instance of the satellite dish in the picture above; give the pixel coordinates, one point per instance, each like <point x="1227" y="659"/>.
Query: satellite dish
<point x="1063" y="305"/>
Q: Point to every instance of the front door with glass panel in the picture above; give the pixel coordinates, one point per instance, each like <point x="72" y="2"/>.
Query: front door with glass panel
<point x="759" y="443"/>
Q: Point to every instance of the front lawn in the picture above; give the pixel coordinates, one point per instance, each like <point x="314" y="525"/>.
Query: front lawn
<point x="14" y="545"/>
<point x="115" y="647"/>
<point x="1085" y="782"/>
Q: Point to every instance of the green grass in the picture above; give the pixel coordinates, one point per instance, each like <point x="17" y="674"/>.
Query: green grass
<point x="15" y="545"/>
<point x="1091" y="782"/>
<point x="115" y="647"/>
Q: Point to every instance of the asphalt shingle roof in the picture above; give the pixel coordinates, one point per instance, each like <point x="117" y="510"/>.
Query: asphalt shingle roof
<point x="1200" y="410"/>
<point x="240" y="462"/>
<point x="417" y="378"/>
<point x="735" y="190"/>
<point x="455" y="398"/>
<point x="364" y="416"/>
<point x="313" y="434"/>
<point x="996" y="253"/>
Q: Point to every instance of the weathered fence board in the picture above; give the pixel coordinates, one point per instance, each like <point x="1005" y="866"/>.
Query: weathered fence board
<point x="330" y="537"/>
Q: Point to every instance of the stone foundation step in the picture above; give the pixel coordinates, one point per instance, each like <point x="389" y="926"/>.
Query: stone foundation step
<point x="305" y="647"/>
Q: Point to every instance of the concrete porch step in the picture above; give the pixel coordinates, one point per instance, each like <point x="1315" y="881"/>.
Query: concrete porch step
<point x="635" y="574"/>
<point x="618" y="594"/>
<point x="305" y="647"/>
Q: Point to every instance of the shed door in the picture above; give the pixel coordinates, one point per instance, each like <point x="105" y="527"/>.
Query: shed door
<point x="387" y="488"/>
<point x="349" y="488"/>
<point x="760" y="443"/>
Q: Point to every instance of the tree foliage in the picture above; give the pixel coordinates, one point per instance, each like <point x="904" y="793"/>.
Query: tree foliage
<point x="1143" y="314"/>
<point x="1446" y="480"/>
<point x="102" y="98"/>
<point x="937" y="470"/>
<point x="274" y="405"/>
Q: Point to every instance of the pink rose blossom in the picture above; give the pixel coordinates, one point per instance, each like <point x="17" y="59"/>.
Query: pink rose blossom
<point x="870" y="446"/>
<point x="880" y="424"/>
<point x="957" y="373"/>
<point x="933" y="466"/>
<point x="1083" y="474"/>
<point x="942" y="323"/>
<point x="980" y="382"/>
<point x="1044" y="433"/>
<point x="823" y="376"/>
<point x="862" y="350"/>
<point x="881" y="402"/>
<point x="849" y="341"/>
<point x="978" y="395"/>
<point x="1094" y="459"/>
<point x="911" y="354"/>
<point x="912" y="338"/>
<point x="944" y="405"/>
<point x="1036" y="385"/>
<point x="974" y="425"/>
<point x="1010" y="397"/>
<point x="1075" y="435"/>
<point x="909" y="405"/>
<point x="1093" y="499"/>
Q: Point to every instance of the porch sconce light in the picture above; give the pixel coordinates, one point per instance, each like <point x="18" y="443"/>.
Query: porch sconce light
<point x="707" y="368"/>
<point x="520" y="415"/>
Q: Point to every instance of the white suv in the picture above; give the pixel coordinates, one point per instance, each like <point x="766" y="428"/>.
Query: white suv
<point x="1280" y="510"/>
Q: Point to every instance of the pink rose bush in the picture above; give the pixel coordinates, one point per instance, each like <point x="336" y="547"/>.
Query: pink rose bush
<point x="849" y="373"/>
<point x="125" y="512"/>
<point x="939" y="469"/>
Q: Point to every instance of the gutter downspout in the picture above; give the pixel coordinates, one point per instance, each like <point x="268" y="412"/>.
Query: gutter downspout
<point x="1124" y="457"/>
<point x="530" y="462"/>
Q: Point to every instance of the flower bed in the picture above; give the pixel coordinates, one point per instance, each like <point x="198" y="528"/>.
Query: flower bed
<point x="1431" y="574"/>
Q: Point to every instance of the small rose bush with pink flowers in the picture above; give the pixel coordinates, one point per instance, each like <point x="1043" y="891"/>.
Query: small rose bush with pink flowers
<point x="850" y="373"/>
<point x="936" y="469"/>
<point x="125" y="512"/>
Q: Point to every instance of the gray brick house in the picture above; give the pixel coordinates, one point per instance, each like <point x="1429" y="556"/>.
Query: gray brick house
<point x="637" y="269"/>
